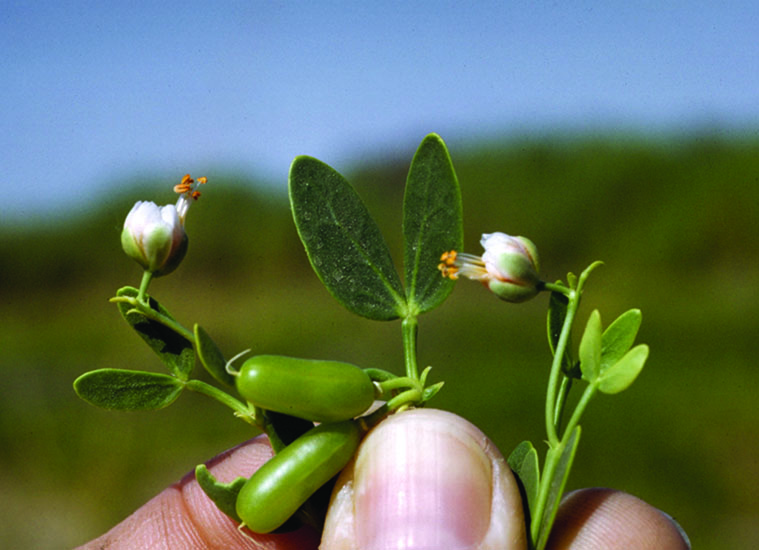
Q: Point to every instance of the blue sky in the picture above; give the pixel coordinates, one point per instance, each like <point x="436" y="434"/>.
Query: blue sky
<point x="99" y="91"/>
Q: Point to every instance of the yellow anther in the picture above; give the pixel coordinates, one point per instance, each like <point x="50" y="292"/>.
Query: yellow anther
<point x="449" y="258"/>
<point x="448" y="271"/>
<point x="187" y="185"/>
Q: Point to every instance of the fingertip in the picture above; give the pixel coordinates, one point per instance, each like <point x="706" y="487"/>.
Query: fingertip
<point x="426" y="479"/>
<point x="598" y="518"/>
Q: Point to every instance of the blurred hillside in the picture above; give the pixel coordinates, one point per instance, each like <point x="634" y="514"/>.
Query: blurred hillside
<point x="676" y="223"/>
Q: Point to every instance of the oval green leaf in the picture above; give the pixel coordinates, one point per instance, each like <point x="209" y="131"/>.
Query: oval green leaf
<point x="523" y="460"/>
<point x="432" y="223"/>
<point x="211" y="357"/>
<point x="174" y="350"/>
<point x="128" y="390"/>
<point x="623" y="373"/>
<point x="342" y="241"/>
<point x="618" y="337"/>
<point x="590" y="348"/>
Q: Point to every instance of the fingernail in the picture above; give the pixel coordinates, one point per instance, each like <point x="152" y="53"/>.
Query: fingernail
<point x="422" y="481"/>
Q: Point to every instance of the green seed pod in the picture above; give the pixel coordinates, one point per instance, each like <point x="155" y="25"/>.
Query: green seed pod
<point x="319" y="391"/>
<point x="284" y="483"/>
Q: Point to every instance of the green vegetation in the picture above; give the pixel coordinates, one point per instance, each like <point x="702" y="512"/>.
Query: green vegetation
<point x="677" y="225"/>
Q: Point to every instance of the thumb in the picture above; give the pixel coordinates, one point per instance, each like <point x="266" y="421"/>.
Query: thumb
<point x="425" y="479"/>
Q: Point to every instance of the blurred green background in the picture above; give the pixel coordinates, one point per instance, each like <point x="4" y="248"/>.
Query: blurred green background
<point x="674" y="220"/>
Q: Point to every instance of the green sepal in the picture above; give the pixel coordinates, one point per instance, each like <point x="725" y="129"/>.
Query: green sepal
<point x="128" y="390"/>
<point x="431" y="391"/>
<point x="343" y="243"/>
<point x="559" y="481"/>
<point x="223" y="495"/>
<point x="523" y="461"/>
<point x="618" y="337"/>
<point x="590" y="348"/>
<point x="432" y="223"/>
<point x="175" y="350"/>
<point x="623" y="373"/>
<point x="211" y="357"/>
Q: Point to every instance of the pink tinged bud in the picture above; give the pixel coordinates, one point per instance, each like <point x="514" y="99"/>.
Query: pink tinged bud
<point x="154" y="237"/>
<point x="508" y="267"/>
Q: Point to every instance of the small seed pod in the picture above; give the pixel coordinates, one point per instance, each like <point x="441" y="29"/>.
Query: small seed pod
<point x="319" y="391"/>
<point x="287" y="480"/>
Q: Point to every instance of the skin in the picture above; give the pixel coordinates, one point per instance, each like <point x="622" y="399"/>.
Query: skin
<point x="453" y="465"/>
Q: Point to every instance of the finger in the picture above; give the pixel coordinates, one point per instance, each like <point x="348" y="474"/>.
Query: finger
<point x="425" y="479"/>
<point x="592" y="519"/>
<point x="182" y="516"/>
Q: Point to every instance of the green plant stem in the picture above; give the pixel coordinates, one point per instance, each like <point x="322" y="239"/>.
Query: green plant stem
<point x="555" y="404"/>
<point x="552" y="403"/>
<point x="399" y="382"/>
<point x="404" y="399"/>
<point x="561" y="400"/>
<point x="553" y="380"/>
<point x="241" y="410"/>
<point x="409" y="328"/>
<point x="554" y="287"/>
<point x="587" y="395"/>
<point x="147" y="276"/>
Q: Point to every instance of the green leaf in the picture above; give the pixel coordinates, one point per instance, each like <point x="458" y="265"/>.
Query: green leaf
<point x="558" y="482"/>
<point x="128" y="390"/>
<point x="557" y="312"/>
<point x="523" y="460"/>
<point x="432" y="223"/>
<point x="211" y="357"/>
<point x="175" y="350"/>
<point x="618" y="337"/>
<point x="224" y="495"/>
<point x="623" y="373"/>
<point x="590" y="348"/>
<point x="343" y="243"/>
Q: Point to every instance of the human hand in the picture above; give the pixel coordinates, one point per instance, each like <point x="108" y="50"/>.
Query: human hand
<point x="459" y="494"/>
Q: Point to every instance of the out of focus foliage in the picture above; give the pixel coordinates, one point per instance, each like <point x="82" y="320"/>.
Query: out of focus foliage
<point x="677" y="224"/>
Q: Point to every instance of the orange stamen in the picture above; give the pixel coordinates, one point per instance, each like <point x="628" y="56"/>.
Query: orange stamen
<point x="447" y="265"/>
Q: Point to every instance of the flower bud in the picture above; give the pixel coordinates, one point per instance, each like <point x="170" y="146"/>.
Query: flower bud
<point x="154" y="236"/>
<point x="508" y="267"/>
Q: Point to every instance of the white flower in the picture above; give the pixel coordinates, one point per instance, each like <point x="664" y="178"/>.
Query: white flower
<point x="508" y="267"/>
<point x="154" y="236"/>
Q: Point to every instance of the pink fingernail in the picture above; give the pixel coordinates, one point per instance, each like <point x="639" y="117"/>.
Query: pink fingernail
<point x="422" y="482"/>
